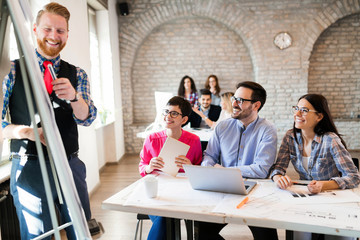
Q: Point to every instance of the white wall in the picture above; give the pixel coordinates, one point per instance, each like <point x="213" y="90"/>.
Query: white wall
<point x="119" y="128"/>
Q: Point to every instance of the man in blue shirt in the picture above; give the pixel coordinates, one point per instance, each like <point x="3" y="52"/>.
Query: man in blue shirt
<point x="244" y="141"/>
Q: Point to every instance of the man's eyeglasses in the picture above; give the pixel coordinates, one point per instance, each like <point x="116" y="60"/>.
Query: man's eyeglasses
<point x="173" y="114"/>
<point x="240" y="100"/>
<point x="303" y="111"/>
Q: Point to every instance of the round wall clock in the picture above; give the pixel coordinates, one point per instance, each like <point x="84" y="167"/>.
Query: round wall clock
<point x="283" y="40"/>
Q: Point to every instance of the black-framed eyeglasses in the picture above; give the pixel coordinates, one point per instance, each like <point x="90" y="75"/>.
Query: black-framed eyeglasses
<point x="240" y="100"/>
<point x="173" y="114"/>
<point x="303" y="110"/>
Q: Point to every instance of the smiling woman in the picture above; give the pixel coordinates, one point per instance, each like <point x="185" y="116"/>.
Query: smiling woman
<point x="175" y="115"/>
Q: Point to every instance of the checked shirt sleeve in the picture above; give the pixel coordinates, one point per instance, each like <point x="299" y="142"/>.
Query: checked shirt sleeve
<point x="83" y="87"/>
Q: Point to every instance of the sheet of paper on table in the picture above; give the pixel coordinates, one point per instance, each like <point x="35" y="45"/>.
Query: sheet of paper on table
<point x="266" y="201"/>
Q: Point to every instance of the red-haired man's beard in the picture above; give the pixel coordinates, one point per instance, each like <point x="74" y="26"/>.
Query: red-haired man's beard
<point x="50" y="51"/>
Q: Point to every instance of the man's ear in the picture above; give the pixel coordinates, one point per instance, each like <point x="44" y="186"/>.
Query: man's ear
<point x="257" y="105"/>
<point x="184" y="120"/>
<point x="34" y="28"/>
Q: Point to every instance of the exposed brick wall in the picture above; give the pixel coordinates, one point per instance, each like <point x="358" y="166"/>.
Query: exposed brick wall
<point x="335" y="66"/>
<point x="247" y="26"/>
<point x="196" y="47"/>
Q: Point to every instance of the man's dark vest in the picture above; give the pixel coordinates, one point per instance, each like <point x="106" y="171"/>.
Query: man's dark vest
<point x="19" y="113"/>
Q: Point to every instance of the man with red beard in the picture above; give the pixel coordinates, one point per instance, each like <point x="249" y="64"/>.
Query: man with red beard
<point x="69" y="94"/>
<point x="244" y="141"/>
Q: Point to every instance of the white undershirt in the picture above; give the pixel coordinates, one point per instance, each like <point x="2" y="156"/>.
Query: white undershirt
<point x="305" y="161"/>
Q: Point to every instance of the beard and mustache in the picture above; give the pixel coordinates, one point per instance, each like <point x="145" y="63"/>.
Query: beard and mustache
<point x="242" y="114"/>
<point x="48" y="50"/>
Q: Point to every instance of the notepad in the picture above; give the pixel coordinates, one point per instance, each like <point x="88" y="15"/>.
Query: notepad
<point x="172" y="148"/>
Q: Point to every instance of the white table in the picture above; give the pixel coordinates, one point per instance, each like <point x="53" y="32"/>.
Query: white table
<point x="181" y="209"/>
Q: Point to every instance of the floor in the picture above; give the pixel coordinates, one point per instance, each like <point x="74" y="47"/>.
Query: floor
<point x="120" y="225"/>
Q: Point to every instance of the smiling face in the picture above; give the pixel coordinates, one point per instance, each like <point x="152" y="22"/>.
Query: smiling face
<point x="205" y="101"/>
<point x="176" y="122"/>
<point x="309" y="121"/>
<point x="52" y="34"/>
<point x="187" y="84"/>
<point x="247" y="110"/>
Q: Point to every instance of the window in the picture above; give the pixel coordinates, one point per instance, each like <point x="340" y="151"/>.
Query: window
<point x="101" y="65"/>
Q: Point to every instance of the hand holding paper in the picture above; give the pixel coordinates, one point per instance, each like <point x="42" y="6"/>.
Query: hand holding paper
<point x="172" y="148"/>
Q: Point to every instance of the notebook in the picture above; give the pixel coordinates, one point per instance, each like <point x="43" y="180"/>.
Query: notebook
<point x="171" y="149"/>
<point x="226" y="180"/>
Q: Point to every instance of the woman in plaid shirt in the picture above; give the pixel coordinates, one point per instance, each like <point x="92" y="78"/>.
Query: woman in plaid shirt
<point x="187" y="90"/>
<point x="316" y="149"/>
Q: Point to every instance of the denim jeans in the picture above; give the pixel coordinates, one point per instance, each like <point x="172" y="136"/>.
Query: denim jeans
<point x="27" y="189"/>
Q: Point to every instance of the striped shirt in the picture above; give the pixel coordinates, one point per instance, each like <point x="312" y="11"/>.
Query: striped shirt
<point x="83" y="87"/>
<point x="329" y="160"/>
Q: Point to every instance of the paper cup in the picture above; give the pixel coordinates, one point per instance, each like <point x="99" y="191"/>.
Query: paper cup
<point x="151" y="186"/>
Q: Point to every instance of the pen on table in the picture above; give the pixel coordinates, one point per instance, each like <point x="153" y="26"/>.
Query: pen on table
<point x="242" y="202"/>
<point x="299" y="183"/>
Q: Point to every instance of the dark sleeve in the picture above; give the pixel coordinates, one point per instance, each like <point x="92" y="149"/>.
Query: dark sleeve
<point x="214" y="112"/>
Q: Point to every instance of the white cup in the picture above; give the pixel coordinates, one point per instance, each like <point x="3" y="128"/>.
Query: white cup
<point x="151" y="186"/>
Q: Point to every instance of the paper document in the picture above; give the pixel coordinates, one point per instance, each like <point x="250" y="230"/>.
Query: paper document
<point x="172" y="148"/>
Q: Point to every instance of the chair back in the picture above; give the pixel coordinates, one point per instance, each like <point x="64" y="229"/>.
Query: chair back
<point x="356" y="162"/>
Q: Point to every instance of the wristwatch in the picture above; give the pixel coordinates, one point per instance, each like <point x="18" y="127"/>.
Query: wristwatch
<point x="76" y="98"/>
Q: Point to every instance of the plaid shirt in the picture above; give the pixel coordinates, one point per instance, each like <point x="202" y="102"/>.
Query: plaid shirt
<point x="83" y="87"/>
<point x="193" y="99"/>
<point x="328" y="159"/>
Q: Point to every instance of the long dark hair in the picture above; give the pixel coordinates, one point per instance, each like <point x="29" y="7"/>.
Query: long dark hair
<point x="181" y="90"/>
<point x="217" y="87"/>
<point x="326" y="124"/>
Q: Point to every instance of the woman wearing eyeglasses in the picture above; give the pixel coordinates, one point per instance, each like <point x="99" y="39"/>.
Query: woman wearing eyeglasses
<point x="175" y="115"/>
<point x="316" y="150"/>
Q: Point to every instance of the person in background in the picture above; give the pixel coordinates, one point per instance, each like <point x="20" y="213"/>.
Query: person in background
<point x="187" y="90"/>
<point x="226" y="109"/>
<point x="204" y="115"/>
<point x="175" y="116"/>
<point x="244" y="141"/>
<point x="212" y="83"/>
<point x="317" y="152"/>
<point x="69" y="95"/>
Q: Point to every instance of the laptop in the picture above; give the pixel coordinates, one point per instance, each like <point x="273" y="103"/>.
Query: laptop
<point x="225" y="180"/>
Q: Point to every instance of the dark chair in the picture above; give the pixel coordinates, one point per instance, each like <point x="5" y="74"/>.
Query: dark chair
<point x="356" y="162"/>
<point x="140" y="217"/>
<point x="175" y="224"/>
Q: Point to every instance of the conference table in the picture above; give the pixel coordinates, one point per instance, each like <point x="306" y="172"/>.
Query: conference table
<point x="334" y="212"/>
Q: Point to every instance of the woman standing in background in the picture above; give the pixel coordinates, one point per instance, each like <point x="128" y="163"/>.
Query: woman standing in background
<point x="212" y="83"/>
<point x="187" y="90"/>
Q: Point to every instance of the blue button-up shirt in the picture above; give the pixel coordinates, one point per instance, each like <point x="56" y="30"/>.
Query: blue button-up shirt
<point x="83" y="87"/>
<point x="328" y="159"/>
<point x="253" y="151"/>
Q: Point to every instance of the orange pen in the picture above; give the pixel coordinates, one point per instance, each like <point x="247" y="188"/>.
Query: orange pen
<point x="242" y="202"/>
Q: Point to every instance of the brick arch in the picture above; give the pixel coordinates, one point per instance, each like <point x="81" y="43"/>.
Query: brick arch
<point x="132" y="37"/>
<point x="325" y="18"/>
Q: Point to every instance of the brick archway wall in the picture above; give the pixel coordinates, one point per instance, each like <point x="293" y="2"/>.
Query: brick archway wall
<point x="132" y="38"/>
<point x="284" y="74"/>
<point x="192" y="46"/>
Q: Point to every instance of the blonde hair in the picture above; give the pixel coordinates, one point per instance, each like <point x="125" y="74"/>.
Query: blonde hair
<point x="226" y="98"/>
<point x="54" y="8"/>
